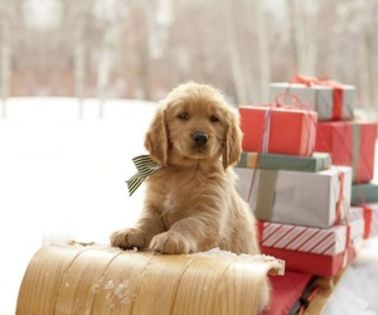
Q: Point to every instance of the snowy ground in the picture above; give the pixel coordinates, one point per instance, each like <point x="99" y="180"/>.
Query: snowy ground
<point x="64" y="177"/>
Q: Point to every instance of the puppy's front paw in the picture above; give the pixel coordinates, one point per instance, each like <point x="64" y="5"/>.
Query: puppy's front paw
<point x="170" y="243"/>
<point x="128" y="238"/>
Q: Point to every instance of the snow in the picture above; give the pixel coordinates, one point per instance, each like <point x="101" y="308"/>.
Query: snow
<point x="277" y="266"/>
<point x="357" y="290"/>
<point x="63" y="179"/>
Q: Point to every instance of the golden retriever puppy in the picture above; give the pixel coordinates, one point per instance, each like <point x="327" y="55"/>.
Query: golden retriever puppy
<point x="191" y="203"/>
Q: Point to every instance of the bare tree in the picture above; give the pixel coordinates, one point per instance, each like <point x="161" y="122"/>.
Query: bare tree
<point x="371" y="41"/>
<point x="236" y="45"/>
<point x="146" y="9"/>
<point x="77" y="18"/>
<point x="234" y="53"/>
<point x="6" y="12"/>
<point x="262" y="48"/>
<point x="107" y="53"/>
<point x="301" y="15"/>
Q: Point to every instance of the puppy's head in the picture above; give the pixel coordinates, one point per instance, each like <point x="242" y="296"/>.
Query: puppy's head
<point x="194" y="124"/>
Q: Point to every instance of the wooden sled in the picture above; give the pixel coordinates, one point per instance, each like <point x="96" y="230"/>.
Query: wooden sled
<point x="101" y="280"/>
<point x="326" y="287"/>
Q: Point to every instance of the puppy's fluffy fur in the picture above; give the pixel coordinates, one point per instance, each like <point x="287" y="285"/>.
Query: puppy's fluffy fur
<point x="191" y="203"/>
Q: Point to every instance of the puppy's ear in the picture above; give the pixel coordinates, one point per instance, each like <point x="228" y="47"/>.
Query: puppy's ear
<point x="156" y="141"/>
<point x="233" y="141"/>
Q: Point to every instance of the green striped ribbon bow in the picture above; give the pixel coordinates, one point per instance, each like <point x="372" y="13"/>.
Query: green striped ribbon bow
<point x="146" y="167"/>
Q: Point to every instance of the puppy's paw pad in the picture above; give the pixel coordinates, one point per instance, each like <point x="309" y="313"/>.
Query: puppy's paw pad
<point x="128" y="238"/>
<point x="170" y="243"/>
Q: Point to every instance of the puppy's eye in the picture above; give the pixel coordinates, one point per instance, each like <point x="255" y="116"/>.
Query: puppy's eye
<point x="183" y="116"/>
<point x="214" y="118"/>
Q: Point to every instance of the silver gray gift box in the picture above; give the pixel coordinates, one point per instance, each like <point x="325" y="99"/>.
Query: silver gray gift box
<point x="316" y="97"/>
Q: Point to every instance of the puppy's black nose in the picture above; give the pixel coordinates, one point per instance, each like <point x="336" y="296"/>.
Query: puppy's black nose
<point x="200" y="138"/>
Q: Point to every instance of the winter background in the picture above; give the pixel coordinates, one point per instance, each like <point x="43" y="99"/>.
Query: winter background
<point x="79" y="81"/>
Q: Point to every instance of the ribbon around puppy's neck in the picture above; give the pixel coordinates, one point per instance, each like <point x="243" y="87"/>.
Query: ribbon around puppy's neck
<point x="146" y="167"/>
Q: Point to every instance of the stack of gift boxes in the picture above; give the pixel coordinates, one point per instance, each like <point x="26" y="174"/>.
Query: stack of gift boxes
<point x="296" y="172"/>
<point x="349" y="141"/>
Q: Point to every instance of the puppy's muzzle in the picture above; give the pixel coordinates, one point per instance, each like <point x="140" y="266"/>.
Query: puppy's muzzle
<point x="200" y="138"/>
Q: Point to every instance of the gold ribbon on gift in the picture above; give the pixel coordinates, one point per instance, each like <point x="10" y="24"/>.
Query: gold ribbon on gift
<point x="249" y="160"/>
<point x="324" y="159"/>
<point x="266" y="193"/>
<point x="340" y="203"/>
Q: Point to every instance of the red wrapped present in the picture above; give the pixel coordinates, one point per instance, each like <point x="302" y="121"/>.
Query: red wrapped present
<point x="321" y="265"/>
<point x="369" y="213"/>
<point x="311" y="250"/>
<point x="351" y="144"/>
<point x="278" y="130"/>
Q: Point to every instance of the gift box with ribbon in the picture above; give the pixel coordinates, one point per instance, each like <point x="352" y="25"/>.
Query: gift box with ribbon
<point x="369" y="213"/>
<point x="278" y="130"/>
<point x="282" y="92"/>
<point x="314" y="163"/>
<point x="330" y="99"/>
<point x="318" y="199"/>
<point x="364" y="193"/>
<point x="325" y="247"/>
<point x="351" y="144"/>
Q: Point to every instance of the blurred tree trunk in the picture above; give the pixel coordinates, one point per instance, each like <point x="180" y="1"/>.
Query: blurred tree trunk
<point x="103" y="71"/>
<point x="304" y="35"/>
<point x="81" y="11"/>
<point x="79" y="67"/>
<point x="234" y="53"/>
<point x="369" y="72"/>
<point x="105" y="64"/>
<point x="5" y="53"/>
<point x="367" y="52"/>
<point x="143" y="48"/>
<point x="372" y="47"/>
<point x="363" y="74"/>
<point x="263" y="50"/>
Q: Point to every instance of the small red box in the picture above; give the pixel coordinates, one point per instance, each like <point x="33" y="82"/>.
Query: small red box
<point x="278" y="130"/>
<point x="350" y="143"/>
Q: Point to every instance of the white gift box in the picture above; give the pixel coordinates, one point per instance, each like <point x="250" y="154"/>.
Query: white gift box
<point x="299" y="198"/>
<point x="306" y="96"/>
<point x="317" y="97"/>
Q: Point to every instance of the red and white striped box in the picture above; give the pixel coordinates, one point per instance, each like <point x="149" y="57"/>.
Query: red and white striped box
<point x="331" y="241"/>
<point x="322" y="252"/>
<point x="369" y="214"/>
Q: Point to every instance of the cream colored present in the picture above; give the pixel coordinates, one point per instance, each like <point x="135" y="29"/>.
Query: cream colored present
<point x="312" y="199"/>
